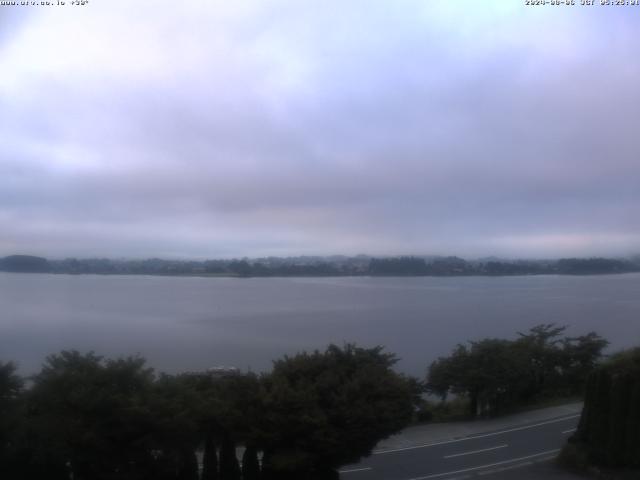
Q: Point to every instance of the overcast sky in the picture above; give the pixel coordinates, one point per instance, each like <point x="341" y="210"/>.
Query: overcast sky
<point x="206" y="128"/>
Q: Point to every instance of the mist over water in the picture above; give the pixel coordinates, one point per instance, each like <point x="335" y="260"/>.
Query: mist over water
<point x="186" y="323"/>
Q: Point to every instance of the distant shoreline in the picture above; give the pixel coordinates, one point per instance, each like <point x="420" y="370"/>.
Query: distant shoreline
<point x="230" y="275"/>
<point x="334" y="266"/>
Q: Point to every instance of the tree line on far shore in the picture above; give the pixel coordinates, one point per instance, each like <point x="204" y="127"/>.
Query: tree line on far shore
<point x="91" y="418"/>
<point x="360" y="265"/>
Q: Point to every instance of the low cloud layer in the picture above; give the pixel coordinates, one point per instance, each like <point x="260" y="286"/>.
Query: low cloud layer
<point x="209" y="129"/>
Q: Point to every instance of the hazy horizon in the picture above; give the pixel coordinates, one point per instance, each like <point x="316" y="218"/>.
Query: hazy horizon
<point x="209" y="129"/>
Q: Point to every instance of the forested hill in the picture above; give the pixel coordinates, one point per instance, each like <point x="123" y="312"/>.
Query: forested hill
<point x="24" y="264"/>
<point x="360" y="265"/>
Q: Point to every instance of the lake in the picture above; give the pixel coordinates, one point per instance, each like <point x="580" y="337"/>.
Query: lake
<point x="190" y="323"/>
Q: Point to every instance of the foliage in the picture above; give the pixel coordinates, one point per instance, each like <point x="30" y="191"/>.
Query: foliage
<point x="89" y="415"/>
<point x="496" y="374"/>
<point x="609" y="429"/>
<point x="101" y="419"/>
<point x="337" y="265"/>
<point x="11" y="387"/>
<point x="452" y="410"/>
<point x="398" y="266"/>
<point x="250" y="464"/>
<point x="328" y="409"/>
<point x="586" y="266"/>
<point x="92" y="418"/>
<point x="24" y="264"/>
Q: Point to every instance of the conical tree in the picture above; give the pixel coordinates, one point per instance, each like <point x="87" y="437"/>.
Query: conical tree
<point x="250" y="464"/>
<point x="229" y="467"/>
<point x="609" y="430"/>
<point x="210" y="459"/>
<point x="633" y="426"/>
<point x="616" y="439"/>
<point x="189" y="467"/>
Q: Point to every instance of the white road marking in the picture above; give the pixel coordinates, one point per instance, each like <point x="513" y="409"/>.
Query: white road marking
<point x="504" y="469"/>
<point x="570" y="430"/>
<point x="476" y="451"/>
<point x="353" y="470"/>
<point x="471" y="469"/>
<point x="546" y="459"/>
<point x="393" y="450"/>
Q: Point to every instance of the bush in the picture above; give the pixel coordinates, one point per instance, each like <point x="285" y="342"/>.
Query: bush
<point x="573" y="457"/>
<point x="609" y="429"/>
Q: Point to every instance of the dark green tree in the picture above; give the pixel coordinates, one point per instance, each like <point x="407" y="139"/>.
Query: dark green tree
<point x="323" y="410"/>
<point x="11" y="421"/>
<point x="237" y="419"/>
<point x="609" y="429"/>
<point x="446" y="373"/>
<point x="209" y="458"/>
<point x="542" y="346"/>
<point x="176" y="431"/>
<point x="227" y="410"/>
<point x="87" y="416"/>
<point x="581" y="355"/>
<point x="497" y="374"/>
<point x="250" y="464"/>
<point x="488" y="372"/>
<point x="229" y="466"/>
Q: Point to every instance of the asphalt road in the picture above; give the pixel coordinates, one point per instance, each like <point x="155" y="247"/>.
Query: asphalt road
<point x="485" y="455"/>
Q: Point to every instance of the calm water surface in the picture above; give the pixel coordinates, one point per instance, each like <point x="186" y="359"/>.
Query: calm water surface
<point x="195" y="323"/>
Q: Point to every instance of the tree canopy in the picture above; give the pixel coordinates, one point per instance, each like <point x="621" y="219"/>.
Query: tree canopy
<point x="95" y="418"/>
<point x="609" y="429"/>
<point x="331" y="408"/>
<point x="495" y="374"/>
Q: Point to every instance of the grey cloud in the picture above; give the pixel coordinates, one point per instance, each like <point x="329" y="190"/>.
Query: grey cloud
<point x="341" y="130"/>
